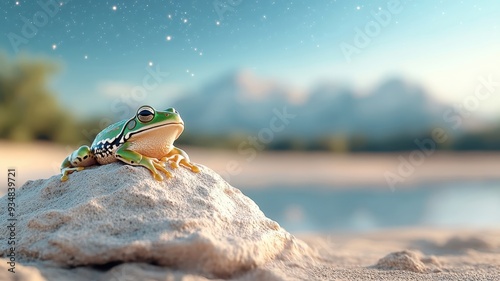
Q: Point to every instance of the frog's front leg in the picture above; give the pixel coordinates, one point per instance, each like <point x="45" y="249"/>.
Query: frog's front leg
<point x="178" y="156"/>
<point x="77" y="161"/>
<point x="134" y="158"/>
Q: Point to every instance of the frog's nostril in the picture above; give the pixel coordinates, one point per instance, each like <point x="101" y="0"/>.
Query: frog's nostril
<point x="172" y="110"/>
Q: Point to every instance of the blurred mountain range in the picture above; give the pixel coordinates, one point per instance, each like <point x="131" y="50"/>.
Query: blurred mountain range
<point x="241" y="103"/>
<point x="239" y="108"/>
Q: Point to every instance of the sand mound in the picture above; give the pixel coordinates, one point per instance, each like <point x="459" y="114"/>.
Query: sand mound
<point x="459" y="243"/>
<point x="118" y="214"/>
<point x="409" y="261"/>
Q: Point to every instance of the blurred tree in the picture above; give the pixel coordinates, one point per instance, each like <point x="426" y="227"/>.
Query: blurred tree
<point x="484" y="140"/>
<point x="336" y="143"/>
<point x="28" y="109"/>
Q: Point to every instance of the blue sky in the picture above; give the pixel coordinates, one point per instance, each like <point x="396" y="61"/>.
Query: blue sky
<point x="105" y="47"/>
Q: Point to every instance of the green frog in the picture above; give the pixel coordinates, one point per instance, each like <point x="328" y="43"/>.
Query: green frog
<point x="143" y="140"/>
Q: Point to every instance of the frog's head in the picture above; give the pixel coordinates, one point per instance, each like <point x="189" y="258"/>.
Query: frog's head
<point x="150" y="124"/>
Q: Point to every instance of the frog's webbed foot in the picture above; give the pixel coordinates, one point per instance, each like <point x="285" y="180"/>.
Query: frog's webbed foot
<point x="178" y="157"/>
<point x="77" y="161"/>
<point x="160" y="165"/>
<point x="134" y="158"/>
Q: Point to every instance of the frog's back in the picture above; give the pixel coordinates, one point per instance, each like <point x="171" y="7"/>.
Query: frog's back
<point x="107" y="141"/>
<point x="109" y="133"/>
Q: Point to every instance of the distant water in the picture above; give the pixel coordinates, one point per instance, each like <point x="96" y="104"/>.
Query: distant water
<point x="464" y="204"/>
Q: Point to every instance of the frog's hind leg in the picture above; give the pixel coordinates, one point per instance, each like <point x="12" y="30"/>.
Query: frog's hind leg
<point x="77" y="161"/>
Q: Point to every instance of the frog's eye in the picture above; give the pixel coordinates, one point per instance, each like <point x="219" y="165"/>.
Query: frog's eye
<point x="145" y="114"/>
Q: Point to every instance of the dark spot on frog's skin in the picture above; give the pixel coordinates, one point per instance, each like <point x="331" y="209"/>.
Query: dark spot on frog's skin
<point x="131" y="162"/>
<point x="85" y="157"/>
<point x="79" y="158"/>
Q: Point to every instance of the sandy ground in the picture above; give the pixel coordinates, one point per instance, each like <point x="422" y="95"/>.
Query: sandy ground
<point x="456" y="254"/>
<point x="42" y="160"/>
<point x="427" y="254"/>
<point x="432" y="254"/>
